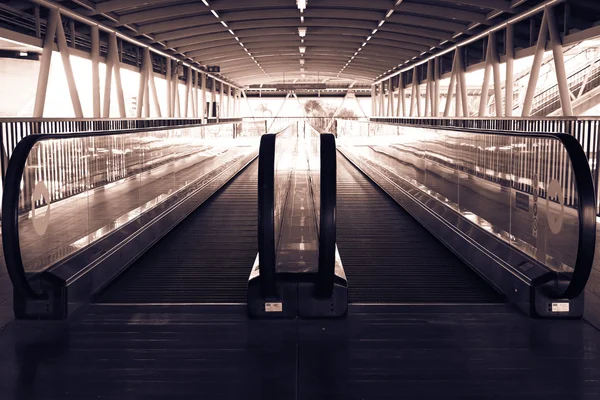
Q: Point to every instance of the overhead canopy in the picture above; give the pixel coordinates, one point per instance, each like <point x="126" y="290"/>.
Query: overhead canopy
<point x="258" y="42"/>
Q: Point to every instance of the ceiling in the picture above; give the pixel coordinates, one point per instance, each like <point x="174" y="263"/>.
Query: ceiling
<point x="347" y="41"/>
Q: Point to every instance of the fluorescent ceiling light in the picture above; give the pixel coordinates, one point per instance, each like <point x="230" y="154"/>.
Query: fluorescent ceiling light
<point x="302" y="31"/>
<point x="302" y="19"/>
<point x="301" y="5"/>
<point x="214" y="13"/>
<point x="369" y="38"/>
<point x="224" y="24"/>
<point x="230" y="31"/>
<point x="389" y="13"/>
<point x="374" y="31"/>
<point x="364" y="44"/>
<point x="206" y="3"/>
<point x="23" y="53"/>
<point x="302" y="61"/>
<point x="241" y="44"/>
<point x="301" y="69"/>
<point x="302" y="49"/>
<point x="237" y="38"/>
<point x="381" y="23"/>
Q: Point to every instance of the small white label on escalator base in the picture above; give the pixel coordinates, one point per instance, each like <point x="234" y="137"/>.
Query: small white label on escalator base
<point x="560" y="307"/>
<point x="273" y="307"/>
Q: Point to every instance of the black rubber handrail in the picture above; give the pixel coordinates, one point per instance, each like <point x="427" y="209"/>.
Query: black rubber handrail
<point x="10" y="201"/>
<point x="586" y="197"/>
<point x="327" y="231"/>
<point x="266" y="215"/>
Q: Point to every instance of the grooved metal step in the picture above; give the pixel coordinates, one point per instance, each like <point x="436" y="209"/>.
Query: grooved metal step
<point x="389" y="257"/>
<point x="205" y="259"/>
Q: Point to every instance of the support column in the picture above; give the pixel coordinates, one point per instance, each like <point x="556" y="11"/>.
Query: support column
<point x="436" y="87"/>
<point x="485" y="86"/>
<point x="373" y="100"/>
<point x="42" y="85"/>
<point x="559" y="63"/>
<point x="188" y="92"/>
<point x="390" y="107"/>
<point x="462" y="83"/>
<point x="96" y="71"/>
<point x="169" y="76"/>
<point x="380" y="102"/>
<point x="152" y="84"/>
<point x="428" y="91"/>
<point x="535" y="68"/>
<point x="203" y="97"/>
<point x="143" y="83"/>
<point x="117" y="70"/>
<point x="402" y="95"/>
<point x="496" y="69"/>
<point x="509" y="82"/>
<point x="213" y="98"/>
<point x="451" y="85"/>
<point x="63" y="48"/>
<point x="195" y="95"/>
<point x="222" y="93"/>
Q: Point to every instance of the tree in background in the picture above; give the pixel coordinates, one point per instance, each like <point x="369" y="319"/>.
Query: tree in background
<point x="320" y="114"/>
<point x="264" y="111"/>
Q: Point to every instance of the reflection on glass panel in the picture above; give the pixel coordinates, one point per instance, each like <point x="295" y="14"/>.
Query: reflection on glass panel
<point x="96" y="184"/>
<point x="519" y="189"/>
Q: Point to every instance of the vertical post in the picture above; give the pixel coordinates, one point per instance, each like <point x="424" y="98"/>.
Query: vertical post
<point x="428" y="91"/>
<point x="195" y="95"/>
<point x="485" y="86"/>
<point x="142" y="88"/>
<point x="380" y="102"/>
<point x="110" y="61"/>
<point x="559" y="63"/>
<point x="203" y="97"/>
<point x="64" y="53"/>
<point x="436" y="87"/>
<point x="390" y="108"/>
<point x="213" y="98"/>
<point x="152" y="84"/>
<point x="496" y="69"/>
<point x="458" y="108"/>
<point x="147" y="95"/>
<point x="373" y="100"/>
<point x="451" y="85"/>
<point x="117" y="69"/>
<point x="462" y="83"/>
<point x="42" y="85"/>
<point x="169" y="88"/>
<point x="221" y="102"/>
<point x="96" y="71"/>
<point x="188" y="92"/>
<point x="417" y="91"/>
<point x="402" y="95"/>
<point x="535" y="68"/>
<point x="509" y="82"/>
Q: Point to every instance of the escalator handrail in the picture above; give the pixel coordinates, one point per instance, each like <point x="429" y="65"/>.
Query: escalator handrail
<point x="266" y="214"/>
<point x="327" y="231"/>
<point x="11" y="192"/>
<point x="586" y="199"/>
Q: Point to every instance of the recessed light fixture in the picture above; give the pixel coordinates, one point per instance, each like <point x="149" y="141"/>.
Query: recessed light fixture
<point x="206" y="3"/>
<point x="302" y="49"/>
<point x="301" y="5"/>
<point x="214" y="13"/>
<point x="389" y="13"/>
<point x="369" y="38"/>
<point x="374" y="31"/>
<point x="302" y="31"/>
<point x="224" y="24"/>
<point x="302" y="61"/>
<point x="381" y="23"/>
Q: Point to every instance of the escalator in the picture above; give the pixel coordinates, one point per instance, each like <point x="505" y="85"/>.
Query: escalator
<point x="389" y="257"/>
<point x="205" y="259"/>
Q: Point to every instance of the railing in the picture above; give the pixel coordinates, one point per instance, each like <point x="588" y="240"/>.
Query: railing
<point x="585" y="130"/>
<point x="70" y="178"/>
<point x="13" y="130"/>
<point x="274" y="182"/>
<point x="496" y="180"/>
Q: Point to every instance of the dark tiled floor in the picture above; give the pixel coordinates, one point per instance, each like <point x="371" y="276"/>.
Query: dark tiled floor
<point x="377" y="352"/>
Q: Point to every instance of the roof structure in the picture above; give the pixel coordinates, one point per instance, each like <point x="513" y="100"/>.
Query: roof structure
<point x="261" y="42"/>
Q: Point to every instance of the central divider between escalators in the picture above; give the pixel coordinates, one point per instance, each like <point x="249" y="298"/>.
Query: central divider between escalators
<point x="298" y="271"/>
